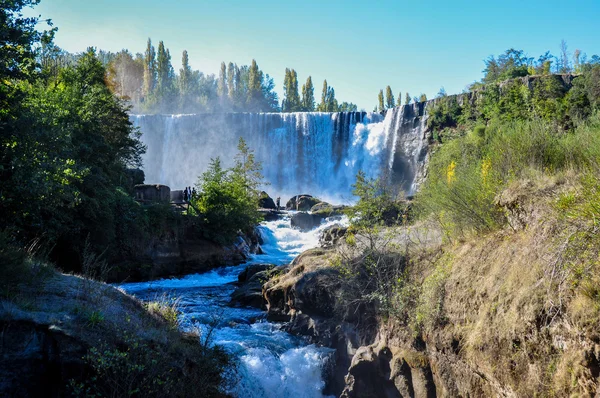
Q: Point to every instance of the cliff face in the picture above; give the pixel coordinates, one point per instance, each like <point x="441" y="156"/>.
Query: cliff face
<point x="180" y="249"/>
<point x="496" y="315"/>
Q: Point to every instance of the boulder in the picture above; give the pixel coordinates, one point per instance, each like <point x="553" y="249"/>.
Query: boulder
<point x="305" y="221"/>
<point x="251" y="270"/>
<point x="266" y="202"/>
<point x="324" y="210"/>
<point x="332" y="234"/>
<point x="301" y="202"/>
<point x="249" y="293"/>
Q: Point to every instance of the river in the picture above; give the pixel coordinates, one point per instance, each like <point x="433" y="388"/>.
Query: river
<point x="272" y="363"/>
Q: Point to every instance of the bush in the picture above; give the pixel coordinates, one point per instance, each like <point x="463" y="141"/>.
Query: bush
<point x="228" y="198"/>
<point x="136" y="369"/>
<point x="466" y="174"/>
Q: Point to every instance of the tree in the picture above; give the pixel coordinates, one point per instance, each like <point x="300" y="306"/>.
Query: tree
<point x="407" y="99"/>
<point x="149" y="69"/>
<point x="381" y="101"/>
<point x="423" y="98"/>
<point x="185" y="75"/>
<point x="231" y="70"/>
<point x="322" y="107"/>
<point x="512" y="63"/>
<point x="347" y="107"/>
<point x="291" y="101"/>
<point x="308" y="96"/>
<point x="222" y="83"/>
<point x="165" y="77"/>
<point x="389" y="97"/>
<point x="17" y="36"/>
<point x="563" y="65"/>
<point x="228" y="199"/>
<point x="254" y="86"/>
<point x="399" y="99"/>
<point x="125" y="76"/>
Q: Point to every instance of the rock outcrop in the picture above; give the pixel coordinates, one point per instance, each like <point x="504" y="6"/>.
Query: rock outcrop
<point x="495" y="315"/>
<point x="266" y="202"/>
<point x="325" y="210"/>
<point x="305" y="221"/>
<point x="332" y="235"/>
<point x="250" y="281"/>
<point x="49" y="327"/>
<point x="182" y="249"/>
<point x="302" y="202"/>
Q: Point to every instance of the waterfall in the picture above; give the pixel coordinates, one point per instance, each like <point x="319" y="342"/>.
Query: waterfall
<point x="306" y="152"/>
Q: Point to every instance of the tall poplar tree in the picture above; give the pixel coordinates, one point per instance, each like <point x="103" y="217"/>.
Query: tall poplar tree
<point x="222" y="82"/>
<point x="381" y="101"/>
<point x="165" y="78"/>
<point x="322" y="107"/>
<point x="185" y="75"/>
<point x="254" y="86"/>
<point x="308" y="96"/>
<point x="231" y="80"/>
<point x="389" y="97"/>
<point x="407" y="99"/>
<point x="149" y="69"/>
<point x="291" y="102"/>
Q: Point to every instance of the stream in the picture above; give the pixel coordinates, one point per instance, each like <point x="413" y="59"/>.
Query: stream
<point x="272" y="363"/>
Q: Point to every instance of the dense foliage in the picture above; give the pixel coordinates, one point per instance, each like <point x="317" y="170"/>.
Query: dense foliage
<point x="65" y="145"/>
<point x="228" y="198"/>
<point x="504" y="132"/>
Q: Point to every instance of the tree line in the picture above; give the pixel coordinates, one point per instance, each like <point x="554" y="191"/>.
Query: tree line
<point x="387" y="101"/>
<point x="150" y="84"/>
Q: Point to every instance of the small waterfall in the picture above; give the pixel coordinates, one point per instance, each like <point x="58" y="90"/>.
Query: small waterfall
<point x="306" y="152"/>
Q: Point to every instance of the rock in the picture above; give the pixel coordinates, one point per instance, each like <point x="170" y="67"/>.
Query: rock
<point x="305" y="221"/>
<point x="270" y="214"/>
<point x="251" y="270"/>
<point x="324" y="210"/>
<point x="43" y="346"/>
<point x="301" y="202"/>
<point x="252" y="280"/>
<point x="332" y="234"/>
<point x="152" y="193"/>
<point x="266" y="202"/>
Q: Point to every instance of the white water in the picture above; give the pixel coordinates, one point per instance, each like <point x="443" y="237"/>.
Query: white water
<point x="315" y="153"/>
<point x="272" y="362"/>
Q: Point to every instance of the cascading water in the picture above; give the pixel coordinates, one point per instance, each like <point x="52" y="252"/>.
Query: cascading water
<point x="272" y="363"/>
<point x="316" y="153"/>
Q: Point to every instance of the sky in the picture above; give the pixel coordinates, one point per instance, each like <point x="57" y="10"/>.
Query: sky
<point x="360" y="47"/>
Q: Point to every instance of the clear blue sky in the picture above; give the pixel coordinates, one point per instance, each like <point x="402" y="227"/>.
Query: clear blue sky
<point x="358" y="46"/>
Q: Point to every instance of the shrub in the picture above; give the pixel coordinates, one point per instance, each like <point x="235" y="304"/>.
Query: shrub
<point x="167" y="308"/>
<point x="466" y="174"/>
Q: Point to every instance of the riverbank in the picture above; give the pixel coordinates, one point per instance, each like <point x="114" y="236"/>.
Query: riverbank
<point x="270" y="361"/>
<point x="503" y="314"/>
<point x="67" y="335"/>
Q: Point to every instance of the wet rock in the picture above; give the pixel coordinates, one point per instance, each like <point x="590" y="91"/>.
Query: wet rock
<point x="301" y="202"/>
<point x="305" y="221"/>
<point x="332" y="235"/>
<point x="251" y="283"/>
<point x="324" y="210"/>
<point x="266" y="202"/>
